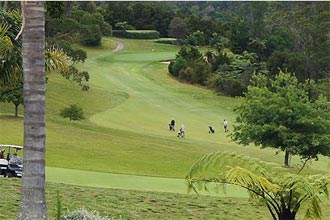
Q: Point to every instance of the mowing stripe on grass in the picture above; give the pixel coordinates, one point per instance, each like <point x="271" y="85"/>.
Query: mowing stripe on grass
<point x="129" y="182"/>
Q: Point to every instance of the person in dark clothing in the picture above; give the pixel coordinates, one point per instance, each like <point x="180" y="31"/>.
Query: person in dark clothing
<point x="8" y="156"/>
<point x="172" y="125"/>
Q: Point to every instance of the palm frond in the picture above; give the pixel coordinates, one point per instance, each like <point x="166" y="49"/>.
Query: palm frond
<point x="56" y="60"/>
<point x="4" y="29"/>
<point x="15" y="14"/>
<point x="6" y="45"/>
<point x="11" y="75"/>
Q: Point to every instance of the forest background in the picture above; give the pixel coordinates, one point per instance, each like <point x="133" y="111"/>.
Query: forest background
<point x="242" y="38"/>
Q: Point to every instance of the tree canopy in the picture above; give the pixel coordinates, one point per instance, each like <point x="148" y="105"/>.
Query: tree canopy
<point x="279" y="113"/>
<point x="278" y="35"/>
<point x="12" y="94"/>
<point x="11" y="72"/>
<point x="73" y="112"/>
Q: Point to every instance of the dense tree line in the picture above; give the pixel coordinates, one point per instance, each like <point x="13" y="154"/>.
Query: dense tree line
<point x="257" y="37"/>
<point x="251" y="36"/>
<point x="243" y="37"/>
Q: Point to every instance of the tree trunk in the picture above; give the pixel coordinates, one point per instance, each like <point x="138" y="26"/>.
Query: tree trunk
<point x="33" y="204"/>
<point x="16" y="110"/>
<point x="5" y="5"/>
<point x="286" y="158"/>
<point x="286" y="214"/>
<point x="68" y="5"/>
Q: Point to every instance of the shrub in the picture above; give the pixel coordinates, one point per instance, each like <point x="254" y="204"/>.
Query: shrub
<point x="73" y="112"/>
<point x="140" y="34"/>
<point x="196" y="38"/>
<point x="167" y="41"/>
<point x="214" y="81"/>
<point x="231" y="87"/>
<point x="106" y="29"/>
<point x="186" y="74"/>
<point x="201" y="72"/>
<point x="176" y="66"/>
<point x="324" y="88"/>
<point x="90" y="35"/>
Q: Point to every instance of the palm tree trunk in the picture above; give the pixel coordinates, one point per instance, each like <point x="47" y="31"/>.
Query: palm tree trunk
<point x="33" y="204"/>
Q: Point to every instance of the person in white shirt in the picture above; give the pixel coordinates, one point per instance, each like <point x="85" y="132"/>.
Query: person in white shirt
<point x="181" y="132"/>
<point x="225" y="125"/>
<point x="15" y="159"/>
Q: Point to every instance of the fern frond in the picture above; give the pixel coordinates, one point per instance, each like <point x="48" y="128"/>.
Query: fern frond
<point x="247" y="179"/>
<point x="280" y="190"/>
<point x="6" y="45"/>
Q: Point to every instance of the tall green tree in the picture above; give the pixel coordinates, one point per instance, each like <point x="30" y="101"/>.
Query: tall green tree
<point x="284" y="194"/>
<point x="73" y="112"/>
<point x="33" y="202"/>
<point x="178" y="28"/>
<point x="12" y="94"/>
<point x="190" y="66"/>
<point x="255" y="17"/>
<point x="278" y="113"/>
<point x="10" y="49"/>
<point x="308" y="25"/>
<point x="11" y="73"/>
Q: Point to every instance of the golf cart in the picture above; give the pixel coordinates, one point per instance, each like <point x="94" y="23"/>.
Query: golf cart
<point x="10" y="164"/>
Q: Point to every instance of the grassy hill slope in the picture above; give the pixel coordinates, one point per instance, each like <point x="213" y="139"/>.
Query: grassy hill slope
<point x="130" y="103"/>
<point x="124" y="142"/>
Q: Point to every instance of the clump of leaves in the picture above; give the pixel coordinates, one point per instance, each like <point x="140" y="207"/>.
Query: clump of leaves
<point x="73" y="112"/>
<point x="83" y="214"/>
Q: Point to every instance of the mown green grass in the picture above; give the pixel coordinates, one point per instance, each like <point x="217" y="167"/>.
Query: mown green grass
<point x="133" y="182"/>
<point x="128" y="107"/>
<point x="132" y="204"/>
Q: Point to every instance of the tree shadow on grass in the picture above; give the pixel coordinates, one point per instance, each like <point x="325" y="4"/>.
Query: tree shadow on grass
<point x="11" y="117"/>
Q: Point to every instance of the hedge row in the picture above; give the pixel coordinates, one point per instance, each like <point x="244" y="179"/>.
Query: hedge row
<point x="141" y="34"/>
<point x="167" y="41"/>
